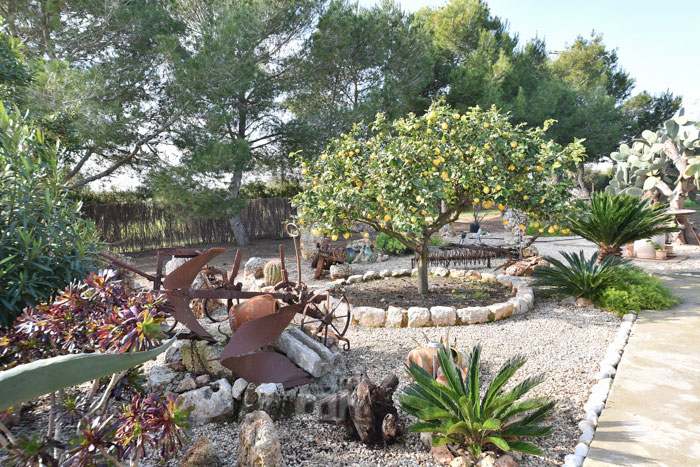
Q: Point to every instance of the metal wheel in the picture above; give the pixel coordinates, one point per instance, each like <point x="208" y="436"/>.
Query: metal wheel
<point x="327" y="318"/>
<point x="209" y="305"/>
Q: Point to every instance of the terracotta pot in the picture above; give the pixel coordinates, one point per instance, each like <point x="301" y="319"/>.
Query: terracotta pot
<point x="256" y="307"/>
<point x="442" y="380"/>
<point x="661" y="254"/>
<point x="628" y="250"/>
<point x="425" y="357"/>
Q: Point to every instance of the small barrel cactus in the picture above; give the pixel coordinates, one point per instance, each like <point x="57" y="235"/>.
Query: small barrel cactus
<point x="273" y="272"/>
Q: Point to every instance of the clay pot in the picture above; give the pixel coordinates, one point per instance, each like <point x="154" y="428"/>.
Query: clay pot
<point x="661" y="254"/>
<point x="442" y="380"/>
<point x="256" y="307"/>
<point x="645" y="248"/>
<point x="425" y="357"/>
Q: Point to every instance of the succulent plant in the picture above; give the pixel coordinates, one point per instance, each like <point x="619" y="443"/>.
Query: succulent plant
<point x="273" y="272"/>
<point x="665" y="162"/>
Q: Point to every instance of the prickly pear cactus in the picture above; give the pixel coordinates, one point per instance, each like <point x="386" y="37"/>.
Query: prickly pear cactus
<point x="663" y="163"/>
<point x="665" y="166"/>
<point x="273" y="272"/>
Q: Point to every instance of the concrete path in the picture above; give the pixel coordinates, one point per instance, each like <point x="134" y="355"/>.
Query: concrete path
<point x="652" y="416"/>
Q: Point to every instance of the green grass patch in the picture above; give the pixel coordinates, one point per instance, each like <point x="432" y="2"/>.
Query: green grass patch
<point x="691" y="204"/>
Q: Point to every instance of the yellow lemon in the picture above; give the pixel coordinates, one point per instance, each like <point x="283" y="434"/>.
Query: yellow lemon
<point x="535" y="224"/>
<point x="555" y="227"/>
<point x="514" y="144"/>
<point x="497" y="187"/>
<point x="346" y="235"/>
<point x="475" y="201"/>
<point x="436" y="161"/>
<point x="431" y="115"/>
<point x="506" y="222"/>
<point x="414" y="209"/>
<point x="373" y="155"/>
<point x="501" y="207"/>
<point x="436" y="150"/>
<point x="428" y="131"/>
<point x="486" y="189"/>
<point x="490" y="159"/>
<point x="413" y="219"/>
<point x="316" y="232"/>
<point x="522" y="226"/>
<point x="486" y="125"/>
<point x="456" y="116"/>
<point x="453" y="290"/>
<point x="379" y="198"/>
<point x="487" y="146"/>
<point x="357" y="151"/>
<point x="323" y="157"/>
<point x="444" y="175"/>
<point x="542" y="201"/>
<point x="303" y="172"/>
<point x="419" y="198"/>
<point x="565" y="231"/>
<point x="538" y="168"/>
<point x="519" y="189"/>
<point x="359" y="184"/>
<point x="444" y="126"/>
<point x="511" y="167"/>
<point x="303" y="164"/>
<point x="541" y="231"/>
<point x="525" y="197"/>
<point x="550" y="230"/>
<point x="488" y="204"/>
<point x="366" y="235"/>
<point x="387" y="217"/>
<point x="334" y="237"/>
<point x="424" y="212"/>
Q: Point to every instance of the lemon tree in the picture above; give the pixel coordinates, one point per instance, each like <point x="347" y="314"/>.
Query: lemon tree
<point x="393" y="176"/>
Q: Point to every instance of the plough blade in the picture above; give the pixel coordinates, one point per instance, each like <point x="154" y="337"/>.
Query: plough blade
<point x="182" y="312"/>
<point x="183" y="276"/>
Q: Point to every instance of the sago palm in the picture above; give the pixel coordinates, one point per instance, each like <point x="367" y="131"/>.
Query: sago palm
<point x="458" y="413"/>
<point x="581" y="277"/>
<point x="611" y="221"/>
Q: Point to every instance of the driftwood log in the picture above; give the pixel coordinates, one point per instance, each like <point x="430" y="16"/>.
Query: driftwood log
<point x="365" y="410"/>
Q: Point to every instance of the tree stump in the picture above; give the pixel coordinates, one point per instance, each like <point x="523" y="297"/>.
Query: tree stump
<point x="365" y="410"/>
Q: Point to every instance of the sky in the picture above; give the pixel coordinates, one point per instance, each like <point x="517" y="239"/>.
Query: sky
<point x="657" y="42"/>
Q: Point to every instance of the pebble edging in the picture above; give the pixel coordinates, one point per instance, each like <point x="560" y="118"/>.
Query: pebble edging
<point x="600" y="391"/>
<point x="414" y="317"/>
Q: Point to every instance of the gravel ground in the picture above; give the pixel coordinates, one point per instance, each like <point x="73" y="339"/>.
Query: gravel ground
<point x="563" y="342"/>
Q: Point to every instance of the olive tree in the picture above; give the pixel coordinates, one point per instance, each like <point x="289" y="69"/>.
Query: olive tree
<point x="394" y="176"/>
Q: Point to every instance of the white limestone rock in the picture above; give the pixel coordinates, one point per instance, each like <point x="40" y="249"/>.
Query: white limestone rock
<point x="396" y="317"/>
<point x="209" y="403"/>
<point x="369" y="316"/>
<point x="418" y="317"/>
<point x="443" y="316"/>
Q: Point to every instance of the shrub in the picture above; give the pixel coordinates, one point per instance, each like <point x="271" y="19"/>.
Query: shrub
<point x="580" y="277"/>
<point x="436" y="240"/>
<point x="44" y="243"/>
<point x="455" y="412"/>
<point x="61" y="344"/>
<point x="611" y="221"/>
<point x="597" y="180"/>
<point x="640" y="292"/>
<point x="388" y="243"/>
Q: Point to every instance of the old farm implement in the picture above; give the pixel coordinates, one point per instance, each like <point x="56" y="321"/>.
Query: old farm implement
<point x="465" y="255"/>
<point x="259" y="320"/>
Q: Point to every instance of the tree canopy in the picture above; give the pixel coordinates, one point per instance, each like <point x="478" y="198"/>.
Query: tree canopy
<point x="394" y="175"/>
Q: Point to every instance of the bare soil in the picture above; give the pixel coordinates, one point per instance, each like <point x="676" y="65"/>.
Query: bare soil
<point x="443" y="291"/>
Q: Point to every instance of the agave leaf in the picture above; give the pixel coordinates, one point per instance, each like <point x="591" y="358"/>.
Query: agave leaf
<point x="25" y="382"/>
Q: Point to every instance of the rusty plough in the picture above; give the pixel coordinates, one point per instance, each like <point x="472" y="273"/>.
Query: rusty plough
<point x="258" y="321"/>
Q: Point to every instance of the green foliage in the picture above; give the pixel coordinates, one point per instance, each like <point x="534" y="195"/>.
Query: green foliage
<point x="261" y="189"/>
<point x="646" y="111"/>
<point x="456" y="414"/>
<point x="639" y="292"/>
<point x="436" y="240"/>
<point x="85" y="195"/>
<point x="580" y="277"/>
<point x="611" y="221"/>
<point x="390" y="244"/>
<point x="15" y="74"/>
<point x="44" y="243"/>
<point x="597" y="180"/>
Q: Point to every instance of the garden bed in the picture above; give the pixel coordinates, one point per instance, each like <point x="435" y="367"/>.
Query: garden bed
<point x="443" y="291"/>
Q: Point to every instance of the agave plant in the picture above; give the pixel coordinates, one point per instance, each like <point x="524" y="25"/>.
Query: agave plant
<point x="458" y="413"/>
<point x="611" y="221"/>
<point x="581" y="277"/>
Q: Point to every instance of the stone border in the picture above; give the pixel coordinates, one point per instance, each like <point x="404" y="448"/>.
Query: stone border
<point x="414" y="317"/>
<point x="599" y="392"/>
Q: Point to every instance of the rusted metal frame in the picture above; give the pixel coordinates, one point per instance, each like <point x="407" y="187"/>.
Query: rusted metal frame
<point x="128" y="266"/>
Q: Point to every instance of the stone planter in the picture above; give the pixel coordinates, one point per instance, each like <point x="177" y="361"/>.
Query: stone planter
<point x="661" y="254"/>
<point x="645" y="248"/>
